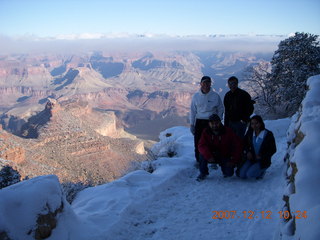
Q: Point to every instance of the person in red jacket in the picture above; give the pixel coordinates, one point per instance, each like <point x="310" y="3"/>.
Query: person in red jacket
<point x="218" y="144"/>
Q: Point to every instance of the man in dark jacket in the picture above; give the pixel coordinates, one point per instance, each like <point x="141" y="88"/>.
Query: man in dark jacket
<point x="238" y="108"/>
<point x="218" y="144"/>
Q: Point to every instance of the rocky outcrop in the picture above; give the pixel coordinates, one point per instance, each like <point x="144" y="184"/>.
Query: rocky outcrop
<point x="10" y="149"/>
<point x="31" y="128"/>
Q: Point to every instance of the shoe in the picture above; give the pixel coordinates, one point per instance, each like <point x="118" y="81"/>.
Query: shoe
<point x="201" y="177"/>
<point x="196" y="165"/>
<point x="261" y="176"/>
<point x="214" y="166"/>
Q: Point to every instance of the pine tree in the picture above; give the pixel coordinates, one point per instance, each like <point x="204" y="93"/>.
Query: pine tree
<point x="8" y="176"/>
<point x="297" y="58"/>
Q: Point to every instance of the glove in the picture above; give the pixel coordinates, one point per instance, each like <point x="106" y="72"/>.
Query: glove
<point x="192" y="129"/>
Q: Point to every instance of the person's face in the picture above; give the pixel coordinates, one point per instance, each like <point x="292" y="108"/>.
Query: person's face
<point x="232" y="85"/>
<point x="205" y="86"/>
<point x="215" y="125"/>
<point x="255" y="125"/>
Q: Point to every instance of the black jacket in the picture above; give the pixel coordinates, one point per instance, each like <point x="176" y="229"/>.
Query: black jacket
<point x="267" y="149"/>
<point x="238" y="106"/>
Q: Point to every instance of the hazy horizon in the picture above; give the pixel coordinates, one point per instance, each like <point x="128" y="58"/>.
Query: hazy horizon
<point x="225" y="43"/>
<point x="123" y="25"/>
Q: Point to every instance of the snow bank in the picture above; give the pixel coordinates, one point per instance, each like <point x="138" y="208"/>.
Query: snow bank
<point x="305" y="137"/>
<point x="103" y="206"/>
<point x="22" y="204"/>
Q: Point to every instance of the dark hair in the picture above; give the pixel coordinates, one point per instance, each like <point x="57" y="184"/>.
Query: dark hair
<point x="205" y="78"/>
<point x="215" y="117"/>
<point x="258" y="118"/>
<point x="233" y="78"/>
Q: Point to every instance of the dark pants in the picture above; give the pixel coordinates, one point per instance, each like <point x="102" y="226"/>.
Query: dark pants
<point x="226" y="171"/>
<point x="200" y="125"/>
<point x="239" y="128"/>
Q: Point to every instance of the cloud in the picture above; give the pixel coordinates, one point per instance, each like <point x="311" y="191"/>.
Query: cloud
<point x="149" y="42"/>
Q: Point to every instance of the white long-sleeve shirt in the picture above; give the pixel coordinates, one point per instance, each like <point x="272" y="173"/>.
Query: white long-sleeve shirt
<point x="204" y="105"/>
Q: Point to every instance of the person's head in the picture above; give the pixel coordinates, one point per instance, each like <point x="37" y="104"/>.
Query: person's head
<point x="205" y="84"/>
<point x="256" y="123"/>
<point x="233" y="83"/>
<point x="215" y="122"/>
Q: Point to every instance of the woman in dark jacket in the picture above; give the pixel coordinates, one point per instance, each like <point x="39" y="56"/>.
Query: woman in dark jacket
<point x="259" y="146"/>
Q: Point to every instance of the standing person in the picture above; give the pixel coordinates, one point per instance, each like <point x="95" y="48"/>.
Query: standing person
<point x="238" y="107"/>
<point x="259" y="146"/>
<point x="204" y="103"/>
<point x="218" y="144"/>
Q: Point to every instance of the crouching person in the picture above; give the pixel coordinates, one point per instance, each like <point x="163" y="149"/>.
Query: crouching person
<point x="259" y="146"/>
<point x="218" y="144"/>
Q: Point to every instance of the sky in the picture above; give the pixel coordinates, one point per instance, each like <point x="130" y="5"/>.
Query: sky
<point x="170" y="204"/>
<point x="170" y="17"/>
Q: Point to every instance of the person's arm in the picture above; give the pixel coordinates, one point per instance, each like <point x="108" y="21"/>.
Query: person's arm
<point x="226" y="107"/>
<point x="193" y="112"/>
<point x="247" y="146"/>
<point x="248" y="106"/>
<point x="271" y="149"/>
<point x="204" y="146"/>
<point x="220" y="108"/>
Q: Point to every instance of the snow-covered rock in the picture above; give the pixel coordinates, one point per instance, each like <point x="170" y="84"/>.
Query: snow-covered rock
<point x="31" y="209"/>
<point x="303" y="200"/>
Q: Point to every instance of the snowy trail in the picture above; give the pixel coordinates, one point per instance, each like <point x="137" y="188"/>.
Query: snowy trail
<point x="183" y="208"/>
<point x="171" y="204"/>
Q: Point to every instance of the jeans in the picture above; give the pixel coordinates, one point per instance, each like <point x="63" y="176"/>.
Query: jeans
<point x="251" y="170"/>
<point x="226" y="171"/>
<point x="239" y="128"/>
<point x="200" y="125"/>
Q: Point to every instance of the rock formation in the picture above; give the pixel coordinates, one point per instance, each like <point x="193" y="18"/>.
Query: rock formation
<point x="65" y="139"/>
<point x="10" y="149"/>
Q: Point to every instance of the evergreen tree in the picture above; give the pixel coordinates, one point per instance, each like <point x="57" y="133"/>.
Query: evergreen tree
<point x="8" y="176"/>
<point x="297" y="58"/>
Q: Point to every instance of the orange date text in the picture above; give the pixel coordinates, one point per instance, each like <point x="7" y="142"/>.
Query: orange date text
<point x="258" y="214"/>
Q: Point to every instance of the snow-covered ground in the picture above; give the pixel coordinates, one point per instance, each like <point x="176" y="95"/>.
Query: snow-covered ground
<point x="170" y="204"/>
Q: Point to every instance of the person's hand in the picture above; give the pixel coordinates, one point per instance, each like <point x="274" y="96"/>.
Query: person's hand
<point x="251" y="158"/>
<point x="192" y="129"/>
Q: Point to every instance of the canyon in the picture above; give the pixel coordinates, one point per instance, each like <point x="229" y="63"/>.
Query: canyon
<point x="89" y="116"/>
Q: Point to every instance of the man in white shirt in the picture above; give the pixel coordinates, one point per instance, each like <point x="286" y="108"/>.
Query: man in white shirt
<point x="204" y="103"/>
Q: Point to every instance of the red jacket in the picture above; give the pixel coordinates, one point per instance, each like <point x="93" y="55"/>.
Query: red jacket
<point x="224" y="145"/>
